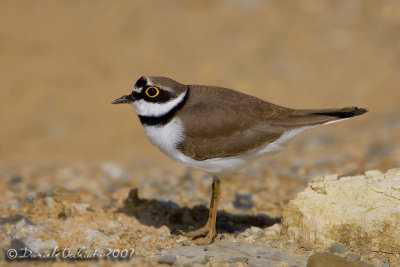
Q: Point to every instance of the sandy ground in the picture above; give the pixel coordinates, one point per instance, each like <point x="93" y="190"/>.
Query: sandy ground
<point x="63" y="62"/>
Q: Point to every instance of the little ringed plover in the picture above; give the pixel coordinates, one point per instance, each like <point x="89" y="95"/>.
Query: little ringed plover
<point x="218" y="130"/>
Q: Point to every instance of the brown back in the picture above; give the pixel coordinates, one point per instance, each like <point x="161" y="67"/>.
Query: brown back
<point x="220" y="122"/>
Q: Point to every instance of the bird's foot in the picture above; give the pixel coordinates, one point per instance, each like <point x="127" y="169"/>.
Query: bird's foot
<point x="205" y="240"/>
<point x="197" y="233"/>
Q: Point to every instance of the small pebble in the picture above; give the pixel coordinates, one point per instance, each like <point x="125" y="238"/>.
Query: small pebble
<point x="255" y="229"/>
<point x="182" y="240"/>
<point x="15" y="180"/>
<point x="307" y="248"/>
<point x="163" y="230"/>
<point x="386" y="265"/>
<point x="166" y="259"/>
<point x="63" y="214"/>
<point x="80" y="207"/>
<point x="353" y="256"/>
<point x="146" y="238"/>
<point x="49" y="202"/>
<point x="30" y="197"/>
<point x="338" y="248"/>
<point x="15" y="219"/>
<point x="243" y="202"/>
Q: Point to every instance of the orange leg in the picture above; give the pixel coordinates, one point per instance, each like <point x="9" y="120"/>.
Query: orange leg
<point x="209" y="228"/>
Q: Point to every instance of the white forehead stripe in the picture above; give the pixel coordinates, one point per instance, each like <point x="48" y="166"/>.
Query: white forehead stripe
<point x="137" y="90"/>
<point x="149" y="109"/>
<point x="164" y="87"/>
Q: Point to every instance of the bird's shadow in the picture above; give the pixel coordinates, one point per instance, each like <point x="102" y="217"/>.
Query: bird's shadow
<point x="156" y="213"/>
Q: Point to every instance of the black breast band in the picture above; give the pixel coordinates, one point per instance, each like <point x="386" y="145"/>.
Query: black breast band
<point x="164" y="119"/>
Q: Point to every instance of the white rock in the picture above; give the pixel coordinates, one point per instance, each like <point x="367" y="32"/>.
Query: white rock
<point x="39" y="246"/>
<point x="331" y="177"/>
<point x="163" y="230"/>
<point x="393" y="174"/>
<point x="146" y="238"/>
<point x="49" y="202"/>
<point x="372" y="173"/>
<point x="273" y="230"/>
<point x="23" y="230"/>
<point x="92" y="238"/>
<point x="359" y="211"/>
<point x="29" y="234"/>
<point x="80" y="207"/>
<point x="114" y="224"/>
<point x="255" y="229"/>
<point x="182" y="239"/>
<point x="113" y="171"/>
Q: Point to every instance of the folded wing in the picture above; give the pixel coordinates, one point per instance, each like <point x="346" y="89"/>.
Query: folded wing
<point x="231" y="123"/>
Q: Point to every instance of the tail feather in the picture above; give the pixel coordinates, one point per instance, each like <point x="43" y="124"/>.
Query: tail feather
<point x="342" y="113"/>
<point x="315" y="117"/>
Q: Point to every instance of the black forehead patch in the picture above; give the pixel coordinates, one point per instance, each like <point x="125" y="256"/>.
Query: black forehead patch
<point x="141" y="83"/>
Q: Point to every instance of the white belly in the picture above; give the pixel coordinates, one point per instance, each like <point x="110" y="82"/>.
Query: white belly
<point x="168" y="136"/>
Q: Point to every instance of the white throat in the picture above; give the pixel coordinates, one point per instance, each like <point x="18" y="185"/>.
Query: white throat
<point x="144" y="108"/>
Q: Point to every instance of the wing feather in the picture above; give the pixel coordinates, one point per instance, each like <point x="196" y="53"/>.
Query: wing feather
<point x="221" y="122"/>
<point x="228" y="124"/>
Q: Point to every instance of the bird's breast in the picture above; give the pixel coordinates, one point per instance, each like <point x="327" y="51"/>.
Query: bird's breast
<point x="166" y="137"/>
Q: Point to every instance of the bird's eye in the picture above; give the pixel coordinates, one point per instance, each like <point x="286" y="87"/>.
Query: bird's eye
<point x="152" y="91"/>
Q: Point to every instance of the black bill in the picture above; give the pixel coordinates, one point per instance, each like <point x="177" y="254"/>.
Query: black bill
<point x="126" y="99"/>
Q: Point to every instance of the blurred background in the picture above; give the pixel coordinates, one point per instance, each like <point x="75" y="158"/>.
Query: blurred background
<point x="68" y="158"/>
<point x="63" y="62"/>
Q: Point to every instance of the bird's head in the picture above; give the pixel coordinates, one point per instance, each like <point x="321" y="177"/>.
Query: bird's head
<point x="154" y="96"/>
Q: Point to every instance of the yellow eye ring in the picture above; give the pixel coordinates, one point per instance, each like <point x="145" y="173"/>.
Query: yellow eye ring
<point x="152" y="91"/>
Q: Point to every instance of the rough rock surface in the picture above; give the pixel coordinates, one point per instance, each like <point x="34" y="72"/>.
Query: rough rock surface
<point x="331" y="260"/>
<point x="360" y="211"/>
<point x="233" y="252"/>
